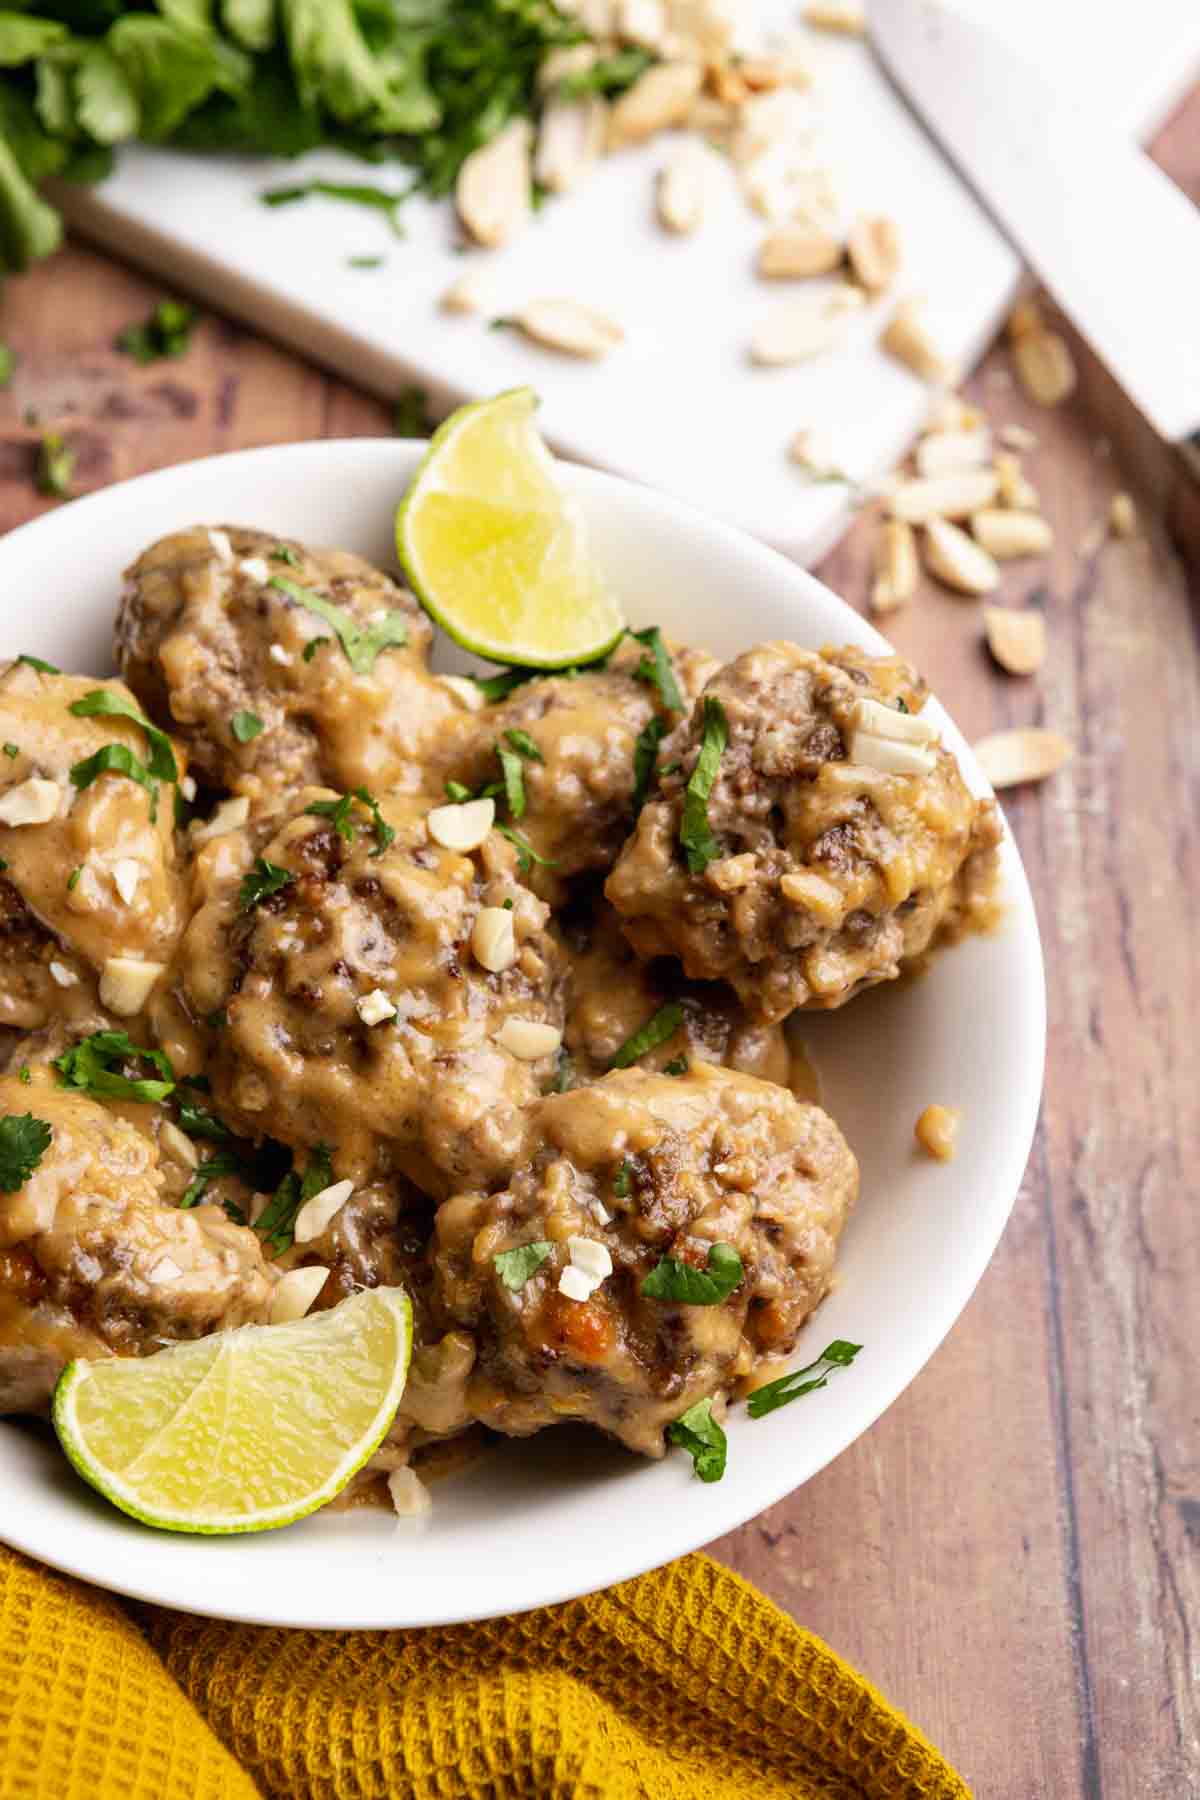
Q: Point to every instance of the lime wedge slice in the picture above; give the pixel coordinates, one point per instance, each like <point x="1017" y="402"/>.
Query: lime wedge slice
<point x="495" y="551"/>
<point x="244" y="1430"/>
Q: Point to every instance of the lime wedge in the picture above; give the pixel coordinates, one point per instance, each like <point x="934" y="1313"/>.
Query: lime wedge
<point x="495" y="551"/>
<point x="244" y="1430"/>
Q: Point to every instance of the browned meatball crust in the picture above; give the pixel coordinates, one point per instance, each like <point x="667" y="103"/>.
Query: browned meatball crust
<point x="203" y="636"/>
<point x="95" y="1262"/>
<point x="831" y="874"/>
<point x="647" y="1167"/>
<point x="430" y="1088"/>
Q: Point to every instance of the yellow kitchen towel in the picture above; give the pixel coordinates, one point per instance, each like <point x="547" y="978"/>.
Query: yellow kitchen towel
<point x="685" y="1684"/>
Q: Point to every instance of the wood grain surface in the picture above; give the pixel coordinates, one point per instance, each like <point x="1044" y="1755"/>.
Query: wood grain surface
<point x="1013" y="1552"/>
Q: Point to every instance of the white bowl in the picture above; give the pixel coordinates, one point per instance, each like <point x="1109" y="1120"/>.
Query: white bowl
<point x="565" y="1513"/>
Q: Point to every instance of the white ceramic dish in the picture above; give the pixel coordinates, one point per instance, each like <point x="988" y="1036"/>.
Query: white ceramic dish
<point x="566" y="1513"/>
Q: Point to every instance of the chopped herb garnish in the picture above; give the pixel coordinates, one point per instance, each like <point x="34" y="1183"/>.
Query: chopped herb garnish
<point x="103" y="703"/>
<point x="206" y="1172"/>
<point x="353" y="193"/>
<point x="217" y="1020"/>
<point x="524" y="745"/>
<point x="514" y="1267"/>
<point x="671" y="768"/>
<point x="279" y="1215"/>
<point x="457" y="792"/>
<point x="365" y="262"/>
<point x="623" y="1180"/>
<point x="24" y="1140"/>
<point x="657" y="1029"/>
<point x="410" y="414"/>
<point x="658" y="669"/>
<point x="502" y="322"/>
<point x="607" y="75"/>
<point x="96" y="1066"/>
<point x="166" y="333"/>
<point x="3" y="863"/>
<point x="285" y="554"/>
<point x="900" y="706"/>
<point x="313" y="645"/>
<point x="55" y="466"/>
<point x="246" y="726"/>
<point x="116" y="759"/>
<point x="774" y="1394"/>
<point x="694" y="834"/>
<point x="35" y="662"/>
<point x="564" y="1076"/>
<point x="8" y="364"/>
<point x="673" y="1279"/>
<point x="339" y="812"/>
<point x="678" y="1065"/>
<point x="199" y="1122"/>
<point x="697" y="1432"/>
<point x="508" y="905"/>
<point x="73" y="878"/>
<point x="526" y="854"/>
<point x="498" y="687"/>
<point x="645" y="754"/>
<point x="514" y="780"/>
<point x="264" y="879"/>
<point x="12" y="749"/>
<point x="24" y="1075"/>
<point x="361" y="646"/>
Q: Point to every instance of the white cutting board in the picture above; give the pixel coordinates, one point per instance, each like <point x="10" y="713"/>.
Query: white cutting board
<point x="678" y="405"/>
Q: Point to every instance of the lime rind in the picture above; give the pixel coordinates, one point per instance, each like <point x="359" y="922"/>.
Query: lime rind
<point x="485" y="502"/>
<point x="226" y="1347"/>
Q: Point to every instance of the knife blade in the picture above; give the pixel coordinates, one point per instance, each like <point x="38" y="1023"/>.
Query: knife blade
<point x="1111" y="237"/>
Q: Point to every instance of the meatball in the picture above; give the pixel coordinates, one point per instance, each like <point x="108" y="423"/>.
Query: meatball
<point x="92" y="902"/>
<point x="843" y="837"/>
<point x="94" y="1262"/>
<point x="356" y="1002"/>
<point x="579" y="778"/>
<point x="205" y="638"/>
<point x="645" y="1167"/>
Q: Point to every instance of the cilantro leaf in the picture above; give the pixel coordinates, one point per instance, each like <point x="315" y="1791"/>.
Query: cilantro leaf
<point x="564" y="1077"/>
<point x="361" y="646"/>
<point x="340" y="811"/>
<point x="645" y="755"/>
<point x="793" y="1386"/>
<point x="199" y="1122"/>
<point x="457" y="792"/>
<point x="96" y="1066"/>
<point x="55" y="466"/>
<point x="226" y="1163"/>
<point x="410" y="414"/>
<point x="166" y="333"/>
<point x="526" y="854"/>
<point x="498" y="687"/>
<point x="103" y="703"/>
<point x="608" y="75"/>
<point x="246" y="726"/>
<point x="24" y="1140"/>
<point x="263" y="880"/>
<point x="116" y="759"/>
<point x="8" y="364"/>
<point x="623" y="1182"/>
<point x="658" y="669"/>
<point x="678" y="1065"/>
<point x="353" y="193"/>
<point x="514" y="1267"/>
<point x="514" y="780"/>
<point x="695" y="835"/>
<point x="697" y="1432"/>
<point x="285" y="554"/>
<point x="524" y="745"/>
<point x="279" y="1217"/>
<point x="673" y="1279"/>
<point x="35" y="662"/>
<point x="657" y="1029"/>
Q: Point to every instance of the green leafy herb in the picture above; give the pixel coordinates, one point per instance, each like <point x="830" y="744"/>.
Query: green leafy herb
<point x="103" y="703"/>
<point x="645" y="754"/>
<point x="657" y="1029"/>
<point x="353" y="193"/>
<point x="263" y="880"/>
<point x="218" y="1019"/>
<point x="312" y="646"/>
<point x="24" y="1140"/>
<point x="97" y="1063"/>
<point x="166" y="333"/>
<point x="900" y="706"/>
<point x="116" y="759"/>
<point x="498" y="687"/>
<point x="526" y="854"/>
<point x="294" y="1191"/>
<point x="678" y="1065"/>
<point x="514" y="1267"/>
<point x="608" y="75"/>
<point x="694" y="833"/>
<point x="226" y="1163"/>
<point x="673" y="1279"/>
<point x="73" y="878"/>
<point x="23" y="1074"/>
<point x="671" y="768"/>
<point x="623" y="1181"/>
<point x="246" y="726"/>
<point x="340" y="814"/>
<point x="35" y="662"/>
<point x="697" y="1432"/>
<point x="410" y="414"/>
<point x="514" y="780"/>
<point x="361" y="646"/>
<point x="365" y="262"/>
<point x="457" y="792"/>
<point x="55" y="466"/>
<point x="12" y="749"/>
<point x="524" y="745"/>
<point x="8" y="364"/>
<point x="658" y="669"/>
<point x="199" y="1122"/>
<point x="285" y="554"/>
<point x="766" y="1399"/>
<point x="564" y="1075"/>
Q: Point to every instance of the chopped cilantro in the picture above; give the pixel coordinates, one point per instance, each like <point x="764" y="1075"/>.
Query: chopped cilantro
<point x="339" y="812"/>
<point x="263" y="880"/>
<point x="353" y="193"/>
<point x="900" y="706"/>
<point x="645" y="754"/>
<point x="279" y="1217"/>
<point x="694" y="833"/>
<point x="96" y="1066"/>
<point x="12" y="749"/>
<point x="199" y="1122"/>
<point x="673" y="1279"/>
<point x="365" y="262"/>
<point x="678" y="1065"/>
<point x="410" y="414"/>
<point x="498" y="687"/>
<point x="8" y="364"/>
<point x="313" y="645"/>
<point x="23" y="1074"/>
<point x="514" y="780"/>
<point x="285" y="554"/>
<point x="226" y="1163"/>
<point x="103" y="703"/>
<point x="116" y="759"/>
<point x="697" y="1432"/>
<point x="607" y="75"/>
<point x="246" y="726"/>
<point x="766" y="1399"/>
<point x="671" y="768"/>
<point x="166" y="333"/>
<point x="24" y="1140"/>
<point x="73" y="878"/>
<point x="658" y="669"/>
<point x="35" y="662"/>
<point x="514" y="1267"/>
<point x="361" y="645"/>
<point x="524" y="745"/>
<point x="55" y="466"/>
<point x="564" y="1075"/>
<point x="457" y="792"/>
<point x="657" y="1029"/>
<point x="526" y="854"/>
<point x="623" y="1180"/>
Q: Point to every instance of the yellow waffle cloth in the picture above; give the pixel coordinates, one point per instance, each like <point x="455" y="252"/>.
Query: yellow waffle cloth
<point x="681" y="1685"/>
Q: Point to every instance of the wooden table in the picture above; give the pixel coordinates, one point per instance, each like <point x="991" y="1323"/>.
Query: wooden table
<point x="1012" y="1552"/>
